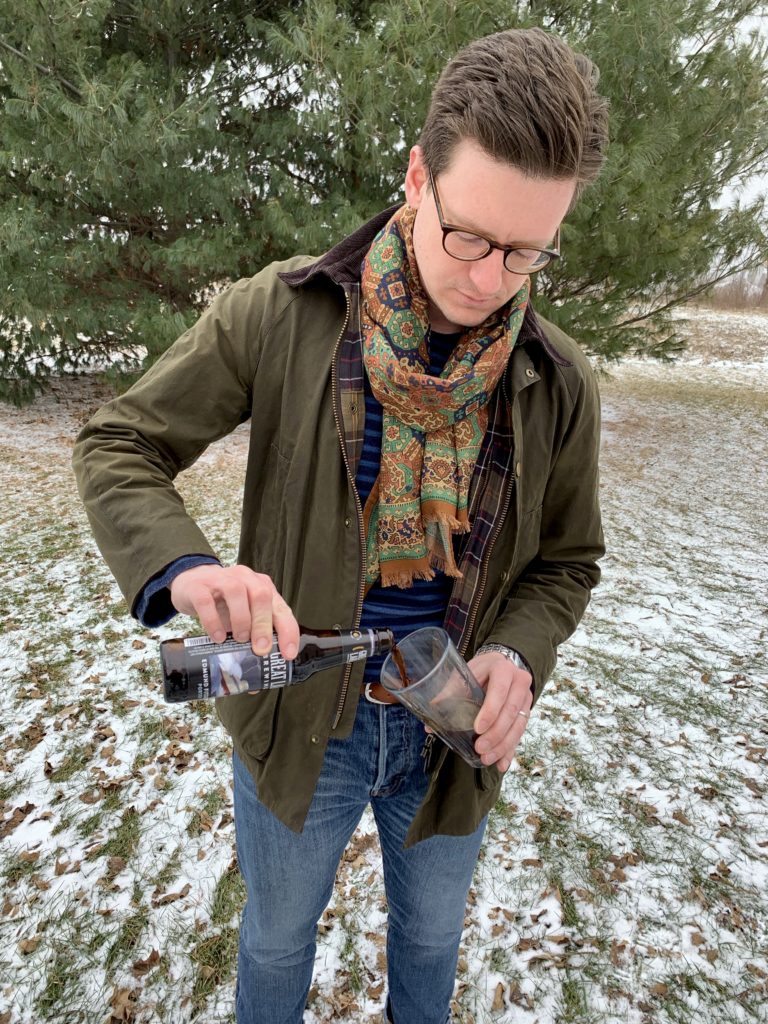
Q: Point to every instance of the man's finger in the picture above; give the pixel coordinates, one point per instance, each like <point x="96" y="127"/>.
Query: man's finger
<point x="260" y="593"/>
<point x="205" y="609"/>
<point x="496" y="693"/>
<point x="286" y="627"/>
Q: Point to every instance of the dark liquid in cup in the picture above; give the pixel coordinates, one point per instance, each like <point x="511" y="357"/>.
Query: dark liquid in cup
<point x="399" y="660"/>
<point x="459" y="739"/>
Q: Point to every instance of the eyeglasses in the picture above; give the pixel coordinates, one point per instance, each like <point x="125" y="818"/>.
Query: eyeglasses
<point x="468" y="245"/>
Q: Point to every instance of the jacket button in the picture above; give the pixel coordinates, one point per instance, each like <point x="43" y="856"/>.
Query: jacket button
<point x="530" y="373"/>
<point x="504" y="576"/>
<point x="347" y="521"/>
<point x="518" y="469"/>
<point x="314" y="739"/>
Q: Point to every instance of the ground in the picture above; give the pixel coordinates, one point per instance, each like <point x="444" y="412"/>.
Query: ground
<point x="624" y="876"/>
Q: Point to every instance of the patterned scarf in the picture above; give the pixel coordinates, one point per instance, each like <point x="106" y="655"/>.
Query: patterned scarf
<point x="433" y="426"/>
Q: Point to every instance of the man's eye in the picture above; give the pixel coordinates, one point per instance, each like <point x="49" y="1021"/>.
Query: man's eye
<point x="531" y="256"/>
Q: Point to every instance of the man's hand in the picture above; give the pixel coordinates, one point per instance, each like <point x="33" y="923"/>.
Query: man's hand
<point x="499" y="722"/>
<point x="239" y="601"/>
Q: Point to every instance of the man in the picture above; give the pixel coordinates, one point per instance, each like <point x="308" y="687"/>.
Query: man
<point x="423" y="452"/>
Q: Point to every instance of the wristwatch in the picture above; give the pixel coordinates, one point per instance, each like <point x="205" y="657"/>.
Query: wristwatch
<point x="509" y="653"/>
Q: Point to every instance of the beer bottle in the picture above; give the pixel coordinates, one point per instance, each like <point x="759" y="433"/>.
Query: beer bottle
<point x="195" y="668"/>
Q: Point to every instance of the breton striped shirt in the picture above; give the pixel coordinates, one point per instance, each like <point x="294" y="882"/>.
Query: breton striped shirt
<point x="426" y="601"/>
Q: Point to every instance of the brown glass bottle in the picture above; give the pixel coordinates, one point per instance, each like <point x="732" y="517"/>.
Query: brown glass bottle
<point x="196" y="668"/>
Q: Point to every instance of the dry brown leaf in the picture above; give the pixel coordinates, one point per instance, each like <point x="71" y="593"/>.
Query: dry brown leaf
<point x="15" y="818"/>
<point x="498" y="999"/>
<point x="123" y="1005"/>
<point x="682" y="817"/>
<point x="171" y="897"/>
<point x="142" y="967"/>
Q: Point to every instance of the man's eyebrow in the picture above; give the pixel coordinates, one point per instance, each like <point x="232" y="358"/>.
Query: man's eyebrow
<point x="518" y="242"/>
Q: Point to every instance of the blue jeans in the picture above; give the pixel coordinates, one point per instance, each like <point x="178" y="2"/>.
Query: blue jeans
<point x="289" y="876"/>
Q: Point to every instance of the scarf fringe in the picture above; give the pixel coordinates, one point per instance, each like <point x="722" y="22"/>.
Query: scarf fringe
<point x="454" y="525"/>
<point x="445" y="566"/>
<point x="404" y="580"/>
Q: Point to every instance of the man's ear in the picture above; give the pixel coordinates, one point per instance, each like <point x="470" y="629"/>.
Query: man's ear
<point x="416" y="178"/>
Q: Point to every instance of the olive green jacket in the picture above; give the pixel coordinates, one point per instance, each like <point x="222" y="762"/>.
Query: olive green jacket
<point x="267" y="351"/>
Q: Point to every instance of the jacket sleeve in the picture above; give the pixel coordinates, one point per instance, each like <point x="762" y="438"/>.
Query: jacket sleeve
<point x="127" y="456"/>
<point x="550" y="596"/>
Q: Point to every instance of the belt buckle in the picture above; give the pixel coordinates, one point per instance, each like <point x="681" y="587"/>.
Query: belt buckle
<point x="369" y="696"/>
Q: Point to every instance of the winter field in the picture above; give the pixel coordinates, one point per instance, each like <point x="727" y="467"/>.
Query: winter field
<point x="624" y="876"/>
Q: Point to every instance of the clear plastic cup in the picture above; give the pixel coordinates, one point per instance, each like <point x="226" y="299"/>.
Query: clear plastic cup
<point x="441" y="690"/>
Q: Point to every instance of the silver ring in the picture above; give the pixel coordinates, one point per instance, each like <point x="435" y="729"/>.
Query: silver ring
<point x="524" y="714"/>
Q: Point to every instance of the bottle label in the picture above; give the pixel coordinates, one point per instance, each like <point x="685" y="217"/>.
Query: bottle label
<point x="220" y="670"/>
<point x="276" y="671"/>
<point x="359" y="654"/>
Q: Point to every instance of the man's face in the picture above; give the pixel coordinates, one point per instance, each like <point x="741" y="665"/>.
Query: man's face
<point x="493" y="199"/>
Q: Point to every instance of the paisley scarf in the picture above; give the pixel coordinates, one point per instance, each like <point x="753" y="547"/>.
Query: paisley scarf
<point x="433" y="426"/>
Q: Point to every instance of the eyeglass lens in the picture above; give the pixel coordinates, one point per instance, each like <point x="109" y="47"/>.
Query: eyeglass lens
<point x="466" y="246"/>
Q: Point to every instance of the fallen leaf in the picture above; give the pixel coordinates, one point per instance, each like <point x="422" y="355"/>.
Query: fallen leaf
<point x="681" y="817"/>
<point x="498" y="999"/>
<point x="15" y="818"/>
<point x="123" y="1005"/>
<point x="142" y="967"/>
<point x="171" y="897"/>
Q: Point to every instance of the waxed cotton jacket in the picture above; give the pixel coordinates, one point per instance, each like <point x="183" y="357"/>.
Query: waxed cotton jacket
<point x="268" y="350"/>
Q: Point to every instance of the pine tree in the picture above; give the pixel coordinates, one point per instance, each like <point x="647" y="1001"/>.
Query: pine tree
<point x="152" y="151"/>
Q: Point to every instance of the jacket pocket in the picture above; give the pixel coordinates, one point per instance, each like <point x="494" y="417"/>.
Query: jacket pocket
<point x="528" y="541"/>
<point x="253" y="718"/>
<point x="488" y="777"/>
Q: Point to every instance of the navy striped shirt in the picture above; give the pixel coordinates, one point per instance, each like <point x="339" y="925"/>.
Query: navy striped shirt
<point x="426" y="601"/>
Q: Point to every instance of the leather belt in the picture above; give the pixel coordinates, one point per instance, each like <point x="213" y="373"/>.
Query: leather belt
<point x="376" y="694"/>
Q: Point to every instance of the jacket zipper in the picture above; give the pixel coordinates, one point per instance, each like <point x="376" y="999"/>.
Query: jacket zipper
<point x="359" y="509"/>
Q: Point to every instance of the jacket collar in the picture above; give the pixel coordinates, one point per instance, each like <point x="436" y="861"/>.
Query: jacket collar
<point x="341" y="264"/>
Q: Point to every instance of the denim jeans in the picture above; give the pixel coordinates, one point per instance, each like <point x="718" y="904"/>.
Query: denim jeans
<point x="289" y="876"/>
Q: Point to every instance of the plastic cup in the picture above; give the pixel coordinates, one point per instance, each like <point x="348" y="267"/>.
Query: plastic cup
<point x="441" y="690"/>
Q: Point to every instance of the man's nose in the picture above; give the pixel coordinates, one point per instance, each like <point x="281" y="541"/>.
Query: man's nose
<point x="488" y="273"/>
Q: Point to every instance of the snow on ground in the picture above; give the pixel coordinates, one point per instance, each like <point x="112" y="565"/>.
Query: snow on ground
<point x="624" y="876"/>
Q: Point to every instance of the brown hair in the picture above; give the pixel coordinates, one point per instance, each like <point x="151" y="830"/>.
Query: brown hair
<point x="528" y="100"/>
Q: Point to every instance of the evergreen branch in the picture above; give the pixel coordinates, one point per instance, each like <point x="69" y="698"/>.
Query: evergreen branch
<point x="42" y="69"/>
<point x="677" y="300"/>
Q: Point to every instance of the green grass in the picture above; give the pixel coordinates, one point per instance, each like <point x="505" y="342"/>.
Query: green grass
<point x="124" y="841"/>
<point x="122" y="948"/>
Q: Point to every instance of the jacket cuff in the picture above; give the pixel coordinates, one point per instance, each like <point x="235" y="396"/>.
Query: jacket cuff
<point x="153" y="605"/>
